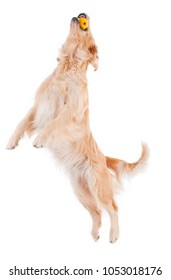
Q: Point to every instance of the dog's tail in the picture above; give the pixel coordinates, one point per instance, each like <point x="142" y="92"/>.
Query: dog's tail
<point x="122" y="168"/>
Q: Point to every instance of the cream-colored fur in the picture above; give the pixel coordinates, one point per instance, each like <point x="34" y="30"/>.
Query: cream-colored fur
<point x="60" y="116"/>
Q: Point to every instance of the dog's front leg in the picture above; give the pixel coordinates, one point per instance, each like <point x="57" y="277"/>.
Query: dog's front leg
<point x="25" y="126"/>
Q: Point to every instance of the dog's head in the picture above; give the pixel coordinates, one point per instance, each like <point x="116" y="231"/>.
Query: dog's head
<point x="80" y="46"/>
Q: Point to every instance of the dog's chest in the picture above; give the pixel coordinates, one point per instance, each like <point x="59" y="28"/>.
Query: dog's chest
<point x="44" y="115"/>
<point x="69" y="96"/>
<point x="46" y="109"/>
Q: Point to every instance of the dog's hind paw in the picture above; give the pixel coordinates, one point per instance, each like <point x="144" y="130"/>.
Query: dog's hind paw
<point x="114" y="235"/>
<point x="95" y="235"/>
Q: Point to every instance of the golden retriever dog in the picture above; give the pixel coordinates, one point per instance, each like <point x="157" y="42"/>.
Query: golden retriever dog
<point x="60" y="116"/>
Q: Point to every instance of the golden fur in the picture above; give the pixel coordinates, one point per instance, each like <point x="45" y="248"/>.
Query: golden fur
<point x="60" y="115"/>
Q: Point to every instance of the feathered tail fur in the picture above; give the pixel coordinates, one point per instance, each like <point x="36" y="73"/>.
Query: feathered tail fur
<point x="123" y="168"/>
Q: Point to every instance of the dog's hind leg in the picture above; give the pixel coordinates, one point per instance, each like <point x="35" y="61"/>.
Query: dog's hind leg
<point x="111" y="208"/>
<point x="105" y="195"/>
<point x="25" y="126"/>
<point x="89" y="201"/>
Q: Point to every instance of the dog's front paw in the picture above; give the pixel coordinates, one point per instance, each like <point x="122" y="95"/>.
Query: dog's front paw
<point x="39" y="142"/>
<point x="13" y="142"/>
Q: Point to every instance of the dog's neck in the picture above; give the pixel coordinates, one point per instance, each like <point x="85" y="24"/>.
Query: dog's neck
<point x="69" y="64"/>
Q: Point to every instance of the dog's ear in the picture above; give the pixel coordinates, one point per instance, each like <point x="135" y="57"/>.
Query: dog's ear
<point x="93" y="49"/>
<point x="94" y="59"/>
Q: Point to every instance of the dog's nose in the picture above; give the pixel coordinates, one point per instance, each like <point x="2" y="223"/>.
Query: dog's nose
<point x="74" y="19"/>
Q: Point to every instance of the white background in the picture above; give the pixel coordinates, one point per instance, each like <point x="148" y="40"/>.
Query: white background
<point x="42" y="223"/>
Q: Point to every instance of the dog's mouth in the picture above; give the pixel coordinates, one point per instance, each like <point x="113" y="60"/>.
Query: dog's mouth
<point x="82" y="21"/>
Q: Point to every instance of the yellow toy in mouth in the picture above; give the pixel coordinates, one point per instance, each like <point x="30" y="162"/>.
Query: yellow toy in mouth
<point x="83" y="23"/>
